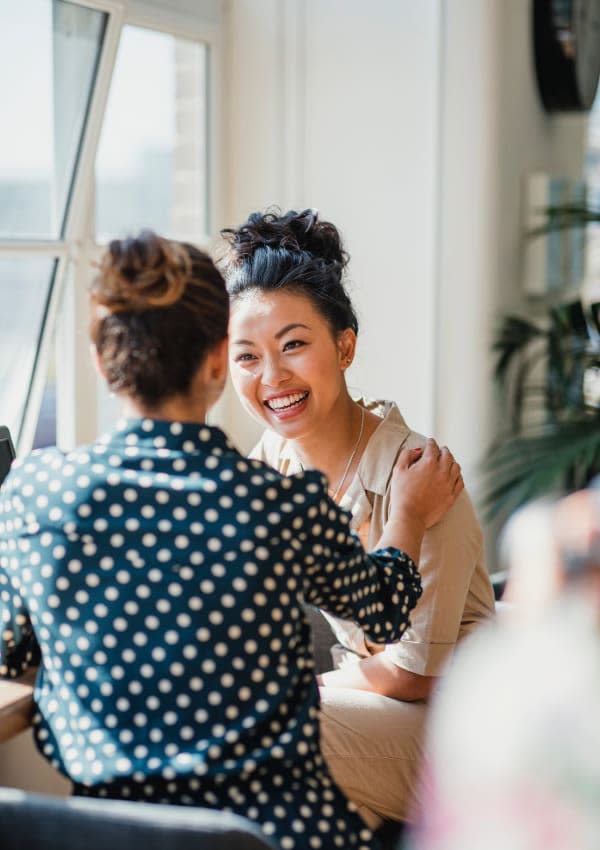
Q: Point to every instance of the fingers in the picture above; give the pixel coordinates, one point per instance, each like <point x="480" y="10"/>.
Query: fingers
<point x="442" y="456"/>
<point x="447" y="457"/>
<point x="407" y="457"/>
<point x="453" y="470"/>
<point x="447" y="462"/>
<point x="459" y="484"/>
<point x="431" y="450"/>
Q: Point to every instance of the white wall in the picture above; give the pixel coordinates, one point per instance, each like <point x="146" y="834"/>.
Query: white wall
<point x="334" y="104"/>
<point x="411" y="126"/>
<point x="495" y="132"/>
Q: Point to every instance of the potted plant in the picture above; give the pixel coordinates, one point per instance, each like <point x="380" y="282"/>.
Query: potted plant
<point x="548" y="372"/>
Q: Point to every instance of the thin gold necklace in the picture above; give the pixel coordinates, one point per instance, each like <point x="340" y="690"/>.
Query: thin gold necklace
<point x="352" y="456"/>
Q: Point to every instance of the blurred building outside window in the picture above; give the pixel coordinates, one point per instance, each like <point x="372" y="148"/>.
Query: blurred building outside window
<point x="592" y="167"/>
<point x="151" y="167"/>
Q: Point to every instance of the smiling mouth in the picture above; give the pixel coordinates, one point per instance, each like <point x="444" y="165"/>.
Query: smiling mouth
<point x="286" y="402"/>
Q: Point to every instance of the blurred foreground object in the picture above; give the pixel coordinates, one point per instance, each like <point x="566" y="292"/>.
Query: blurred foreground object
<point x="514" y="738"/>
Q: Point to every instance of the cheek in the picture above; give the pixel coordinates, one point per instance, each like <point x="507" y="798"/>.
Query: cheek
<point x="327" y="372"/>
<point x="244" y="382"/>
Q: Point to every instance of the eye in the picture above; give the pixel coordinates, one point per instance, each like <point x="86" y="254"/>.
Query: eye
<point x="246" y="357"/>
<point x="293" y="343"/>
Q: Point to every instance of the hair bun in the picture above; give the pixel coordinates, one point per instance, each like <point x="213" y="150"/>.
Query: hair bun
<point x="297" y="232"/>
<point x="141" y="273"/>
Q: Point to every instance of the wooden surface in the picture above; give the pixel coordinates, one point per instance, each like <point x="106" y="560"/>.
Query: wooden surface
<point x="16" y="705"/>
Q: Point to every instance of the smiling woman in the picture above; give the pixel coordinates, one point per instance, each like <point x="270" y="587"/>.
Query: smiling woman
<point x="290" y="374"/>
<point x="292" y="336"/>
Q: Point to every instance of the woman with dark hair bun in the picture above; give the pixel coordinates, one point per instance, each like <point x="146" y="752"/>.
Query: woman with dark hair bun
<point x="292" y="336"/>
<point x="157" y="576"/>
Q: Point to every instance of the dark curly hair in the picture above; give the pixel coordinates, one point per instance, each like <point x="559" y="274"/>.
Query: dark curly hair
<point x="158" y="308"/>
<point x="296" y="251"/>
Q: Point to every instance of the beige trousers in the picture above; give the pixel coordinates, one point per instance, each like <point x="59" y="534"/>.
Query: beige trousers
<point x="373" y="746"/>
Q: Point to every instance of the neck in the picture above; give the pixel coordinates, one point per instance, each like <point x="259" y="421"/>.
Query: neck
<point x="331" y="454"/>
<point x="175" y="409"/>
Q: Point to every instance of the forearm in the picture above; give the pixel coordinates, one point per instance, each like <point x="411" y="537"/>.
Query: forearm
<point x="404" y="532"/>
<point x="380" y="676"/>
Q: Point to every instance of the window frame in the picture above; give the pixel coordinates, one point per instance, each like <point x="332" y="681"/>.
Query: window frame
<point x="65" y="324"/>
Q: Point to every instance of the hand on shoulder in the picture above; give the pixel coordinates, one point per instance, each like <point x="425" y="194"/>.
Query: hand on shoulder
<point x="425" y="483"/>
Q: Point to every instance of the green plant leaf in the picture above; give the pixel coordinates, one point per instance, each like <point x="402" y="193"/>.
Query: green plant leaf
<point x="564" y="217"/>
<point x="562" y="456"/>
<point x="514" y="336"/>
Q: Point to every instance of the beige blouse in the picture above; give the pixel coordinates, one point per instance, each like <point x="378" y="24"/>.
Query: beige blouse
<point x="457" y="593"/>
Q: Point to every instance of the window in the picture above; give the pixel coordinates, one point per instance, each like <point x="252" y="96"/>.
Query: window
<point x="52" y="50"/>
<point x="25" y="286"/>
<point x="152" y="163"/>
<point x="593" y="190"/>
<point x="48" y="65"/>
<point x="151" y="169"/>
<point x="78" y="78"/>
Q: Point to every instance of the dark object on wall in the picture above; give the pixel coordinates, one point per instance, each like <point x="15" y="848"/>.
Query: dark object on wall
<point x="566" y="37"/>
<point x="7" y="452"/>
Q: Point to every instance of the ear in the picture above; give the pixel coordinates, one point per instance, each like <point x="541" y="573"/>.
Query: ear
<point x="214" y="371"/>
<point x="217" y="361"/>
<point x="346" y="343"/>
<point x="97" y="361"/>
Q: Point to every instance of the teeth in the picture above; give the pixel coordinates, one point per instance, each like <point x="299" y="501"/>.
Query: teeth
<point x="286" y="401"/>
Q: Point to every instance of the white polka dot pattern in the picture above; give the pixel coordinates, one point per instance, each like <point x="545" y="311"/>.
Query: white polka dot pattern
<point x="161" y="576"/>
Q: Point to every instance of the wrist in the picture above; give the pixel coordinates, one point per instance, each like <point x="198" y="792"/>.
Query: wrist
<point x="404" y="518"/>
<point x="404" y="533"/>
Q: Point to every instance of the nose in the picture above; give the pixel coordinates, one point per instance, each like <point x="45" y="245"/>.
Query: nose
<point x="274" y="372"/>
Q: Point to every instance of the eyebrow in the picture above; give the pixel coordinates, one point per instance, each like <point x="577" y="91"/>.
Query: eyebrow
<point x="291" y="327"/>
<point x="278" y="335"/>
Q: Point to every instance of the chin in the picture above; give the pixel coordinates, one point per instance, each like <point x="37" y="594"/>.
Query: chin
<point x="290" y="430"/>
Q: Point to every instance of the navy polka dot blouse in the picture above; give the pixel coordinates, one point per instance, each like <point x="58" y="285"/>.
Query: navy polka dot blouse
<point x="157" y="578"/>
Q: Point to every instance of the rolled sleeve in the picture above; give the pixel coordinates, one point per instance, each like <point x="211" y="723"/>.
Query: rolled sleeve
<point x="376" y="590"/>
<point x="451" y="552"/>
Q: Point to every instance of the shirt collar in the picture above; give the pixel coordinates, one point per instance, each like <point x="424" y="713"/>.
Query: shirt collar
<point x="172" y="435"/>
<point x="378" y="458"/>
<point x="380" y="454"/>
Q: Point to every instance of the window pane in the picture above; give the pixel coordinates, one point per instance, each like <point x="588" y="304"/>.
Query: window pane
<point x="45" y="432"/>
<point x="151" y="164"/>
<point x="47" y="65"/>
<point x="593" y="188"/>
<point x="24" y="290"/>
